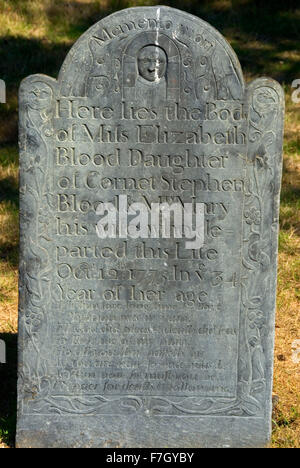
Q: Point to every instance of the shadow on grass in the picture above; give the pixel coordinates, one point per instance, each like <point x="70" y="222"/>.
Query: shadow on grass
<point x="290" y="201"/>
<point x="8" y="390"/>
<point x="9" y="191"/>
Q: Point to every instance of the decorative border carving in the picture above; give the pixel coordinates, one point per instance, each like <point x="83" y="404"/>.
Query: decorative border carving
<point x="35" y="128"/>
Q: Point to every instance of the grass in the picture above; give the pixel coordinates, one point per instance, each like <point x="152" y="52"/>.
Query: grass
<point x="35" y="36"/>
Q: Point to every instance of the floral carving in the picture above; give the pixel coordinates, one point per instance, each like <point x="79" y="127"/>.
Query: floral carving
<point x="253" y="216"/>
<point x="37" y="98"/>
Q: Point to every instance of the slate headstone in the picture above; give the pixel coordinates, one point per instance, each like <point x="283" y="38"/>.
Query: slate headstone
<point x="142" y="342"/>
<point x="2" y="92"/>
<point x="2" y="352"/>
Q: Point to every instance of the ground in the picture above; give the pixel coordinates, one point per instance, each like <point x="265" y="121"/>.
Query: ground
<point x="35" y="36"/>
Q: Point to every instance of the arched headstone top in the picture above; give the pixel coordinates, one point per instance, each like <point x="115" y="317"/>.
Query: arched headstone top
<point x="205" y="65"/>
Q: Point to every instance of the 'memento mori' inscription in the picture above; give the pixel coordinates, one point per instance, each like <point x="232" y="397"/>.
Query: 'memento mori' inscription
<point x="157" y="110"/>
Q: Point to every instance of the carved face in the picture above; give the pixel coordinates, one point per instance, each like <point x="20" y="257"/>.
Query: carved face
<point x="152" y="63"/>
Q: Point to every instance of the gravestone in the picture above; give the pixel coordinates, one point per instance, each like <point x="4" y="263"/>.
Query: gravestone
<point x="2" y="352"/>
<point x="141" y="341"/>
<point x="2" y="92"/>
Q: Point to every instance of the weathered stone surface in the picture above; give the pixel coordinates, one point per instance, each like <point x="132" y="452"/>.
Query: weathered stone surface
<point x="142" y="342"/>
